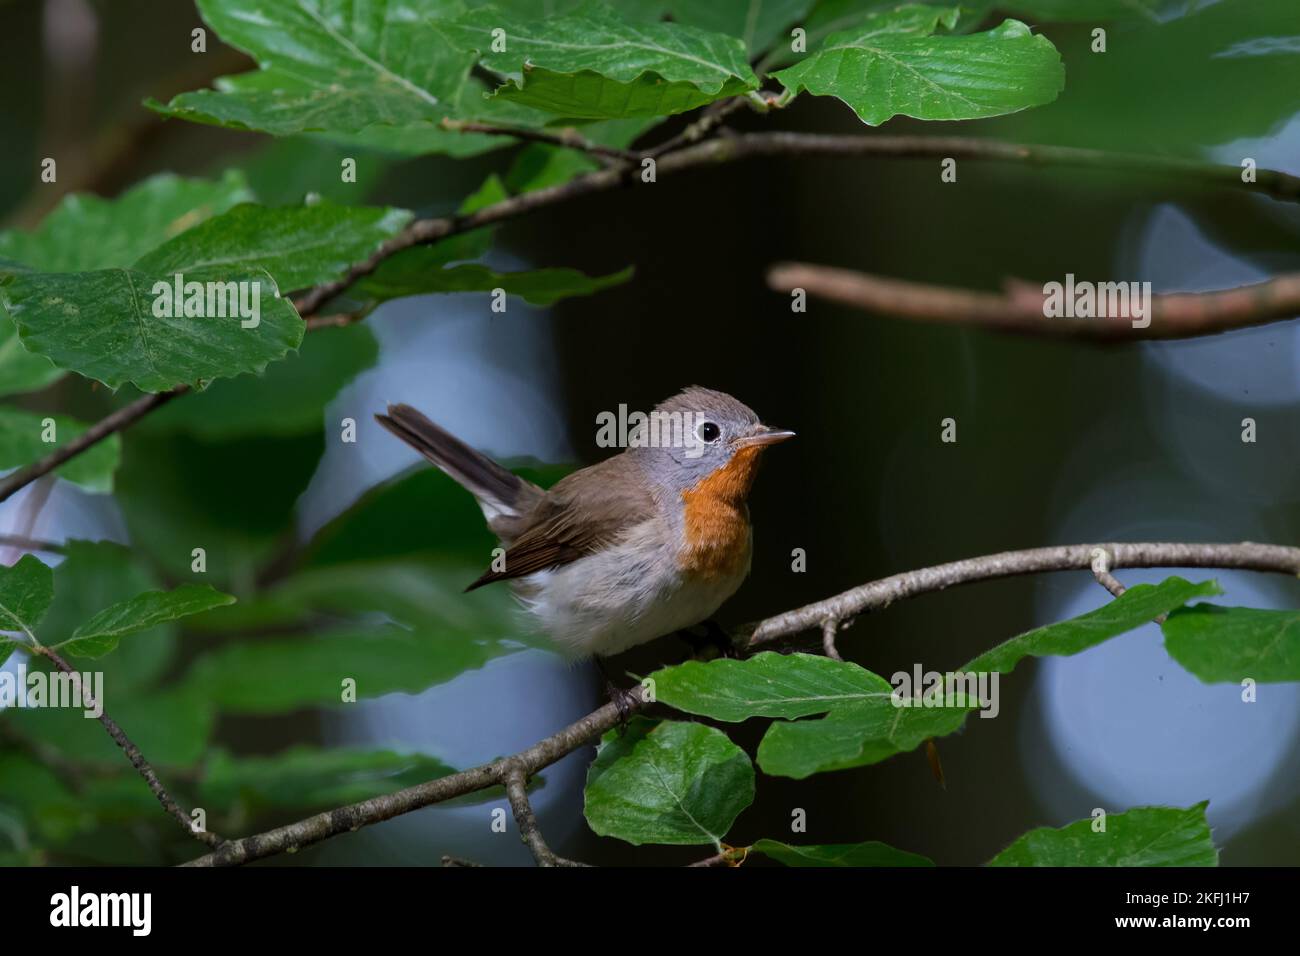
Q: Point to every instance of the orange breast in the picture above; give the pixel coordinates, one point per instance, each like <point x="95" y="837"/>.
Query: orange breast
<point x="717" y="519"/>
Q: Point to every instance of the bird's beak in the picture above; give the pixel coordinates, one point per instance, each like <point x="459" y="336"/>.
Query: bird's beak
<point x="763" y="435"/>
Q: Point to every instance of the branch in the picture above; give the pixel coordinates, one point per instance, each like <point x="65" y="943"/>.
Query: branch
<point x="124" y="416"/>
<point x="513" y="771"/>
<point x="1020" y="309"/>
<point x="129" y="748"/>
<point x="710" y="152"/>
<point x="568" y="138"/>
<point x="322" y="826"/>
<point x="517" y="793"/>
<point x="882" y="593"/>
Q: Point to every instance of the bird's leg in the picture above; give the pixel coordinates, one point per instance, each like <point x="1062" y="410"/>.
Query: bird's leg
<point x="708" y="640"/>
<point x="617" y="696"/>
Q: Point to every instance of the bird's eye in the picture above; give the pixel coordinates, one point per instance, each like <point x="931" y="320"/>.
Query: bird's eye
<point x="709" y="432"/>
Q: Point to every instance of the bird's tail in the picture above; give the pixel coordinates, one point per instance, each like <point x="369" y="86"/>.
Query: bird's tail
<point x="501" y="494"/>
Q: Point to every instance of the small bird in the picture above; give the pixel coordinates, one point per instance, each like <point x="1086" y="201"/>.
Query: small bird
<point x="643" y="544"/>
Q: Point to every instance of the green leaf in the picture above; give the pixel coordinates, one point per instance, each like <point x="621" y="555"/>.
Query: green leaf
<point x="1084" y="11"/>
<point x="102" y="325"/>
<point x="767" y="685"/>
<point x="26" y="590"/>
<point x="871" y="853"/>
<point x="1145" y="836"/>
<point x="667" y="782"/>
<point x="91" y="576"/>
<point x="21" y="370"/>
<point x="299" y="246"/>
<point x="331" y="65"/>
<point x="1230" y="644"/>
<point x="593" y="64"/>
<point x="233" y="499"/>
<point x="100" y="634"/>
<point x="758" y="23"/>
<point x="439" y="633"/>
<point x="86" y="233"/>
<point x="307" y="777"/>
<point x="1137" y="606"/>
<point x="882" y="73"/>
<point x="288" y="399"/>
<point x="864" y="726"/>
<point x="855" y="736"/>
<point x="409" y="275"/>
<point x="22" y="442"/>
<point x="171" y="727"/>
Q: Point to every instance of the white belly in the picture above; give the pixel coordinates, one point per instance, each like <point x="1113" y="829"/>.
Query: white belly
<point x="624" y="596"/>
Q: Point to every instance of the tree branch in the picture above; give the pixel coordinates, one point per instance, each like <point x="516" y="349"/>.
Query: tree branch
<point x="709" y="152"/>
<point x="568" y="138"/>
<point x="1021" y="308"/>
<point x="513" y="771"/>
<point x="882" y="593"/>
<point x="517" y="794"/>
<point x="322" y="826"/>
<point x="115" y="422"/>
<point x="129" y="748"/>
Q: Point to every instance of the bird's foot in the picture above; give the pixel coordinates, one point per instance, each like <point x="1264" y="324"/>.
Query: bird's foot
<point x="617" y="696"/>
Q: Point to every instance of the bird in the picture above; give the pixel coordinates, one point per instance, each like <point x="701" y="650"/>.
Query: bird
<point x="648" y="542"/>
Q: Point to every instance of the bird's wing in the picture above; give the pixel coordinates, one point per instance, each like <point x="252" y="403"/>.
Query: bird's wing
<point x="582" y="513"/>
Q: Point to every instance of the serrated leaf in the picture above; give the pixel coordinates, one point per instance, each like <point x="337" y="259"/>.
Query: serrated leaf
<point x="332" y="65"/>
<point x="299" y="246"/>
<point x="102" y="325"/>
<point x="289" y="398"/>
<point x="757" y="23"/>
<point x="100" y="634"/>
<point x="1138" y="605"/>
<point x="885" y="74"/>
<point x="871" y="853"/>
<point x="767" y="685"/>
<point x="864" y="725"/>
<point x="308" y="777"/>
<point x="85" y="233"/>
<point x="1230" y="644"/>
<point x="22" y="441"/>
<point x="21" y="370"/>
<point x="593" y="64"/>
<point x="1144" y="836"/>
<point x="667" y="782"/>
<point x="26" y="590"/>
<point x="413" y="274"/>
<point x="92" y="576"/>
<point x="856" y="735"/>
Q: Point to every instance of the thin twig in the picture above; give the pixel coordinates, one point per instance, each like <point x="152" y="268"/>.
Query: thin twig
<point x="1021" y="307"/>
<point x="710" y="152"/>
<point x="517" y="793"/>
<point x="878" y="594"/>
<point x="830" y="627"/>
<point x="569" y="138"/>
<point x="24" y="543"/>
<point x="322" y="826"/>
<point x="1247" y="555"/>
<point x="1101" y="571"/>
<point x="114" y="422"/>
<point x="132" y="752"/>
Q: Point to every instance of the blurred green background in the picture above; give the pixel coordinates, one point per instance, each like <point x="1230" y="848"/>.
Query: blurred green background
<point x="1057" y="443"/>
